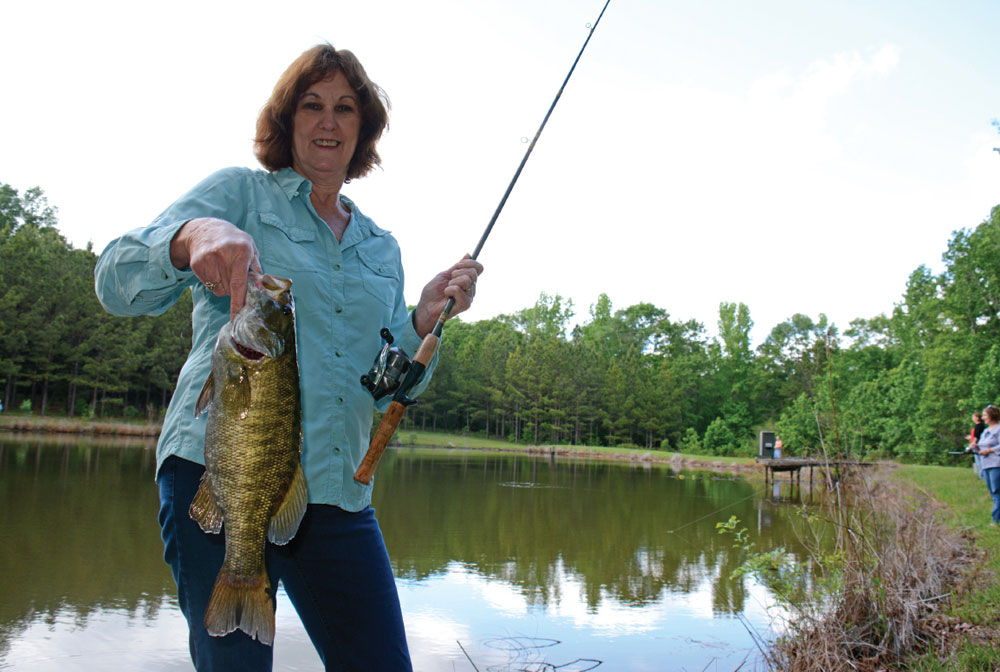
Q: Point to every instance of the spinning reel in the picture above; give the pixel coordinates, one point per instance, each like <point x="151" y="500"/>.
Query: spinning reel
<point x="388" y="370"/>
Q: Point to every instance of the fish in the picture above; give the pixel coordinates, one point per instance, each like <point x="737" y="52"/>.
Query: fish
<point x="253" y="484"/>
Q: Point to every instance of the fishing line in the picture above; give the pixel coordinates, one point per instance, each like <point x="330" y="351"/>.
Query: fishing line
<point x="394" y="360"/>
<point x="531" y="146"/>
<point x="717" y="511"/>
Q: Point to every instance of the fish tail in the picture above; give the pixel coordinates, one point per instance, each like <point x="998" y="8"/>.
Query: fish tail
<point x="243" y="603"/>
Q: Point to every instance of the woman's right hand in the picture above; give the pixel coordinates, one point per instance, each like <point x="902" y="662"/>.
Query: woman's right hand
<point x="217" y="252"/>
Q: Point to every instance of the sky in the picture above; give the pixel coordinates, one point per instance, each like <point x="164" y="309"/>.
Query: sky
<point x="799" y="157"/>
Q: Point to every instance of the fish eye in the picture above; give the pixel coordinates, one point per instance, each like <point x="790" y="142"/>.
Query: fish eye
<point x="286" y="309"/>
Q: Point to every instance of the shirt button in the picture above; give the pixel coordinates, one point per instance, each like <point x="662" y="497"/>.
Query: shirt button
<point x="340" y="309"/>
<point x="336" y="449"/>
<point x="336" y="267"/>
<point x="340" y="400"/>
<point x="338" y="353"/>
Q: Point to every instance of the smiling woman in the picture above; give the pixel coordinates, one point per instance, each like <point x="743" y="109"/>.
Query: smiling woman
<point x="317" y="131"/>
<point x="273" y="145"/>
<point x="325" y="135"/>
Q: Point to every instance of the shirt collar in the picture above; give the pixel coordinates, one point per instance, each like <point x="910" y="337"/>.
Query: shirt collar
<point x="291" y="182"/>
<point x="360" y="227"/>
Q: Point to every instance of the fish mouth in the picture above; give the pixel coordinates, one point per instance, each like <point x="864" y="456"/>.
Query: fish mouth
<point x="245" y="352"/>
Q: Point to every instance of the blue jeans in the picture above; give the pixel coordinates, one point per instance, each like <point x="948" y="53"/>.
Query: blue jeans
<point x="992" y="477"/>
<point x="979" y="465"/>
<point x="336" y="572"/>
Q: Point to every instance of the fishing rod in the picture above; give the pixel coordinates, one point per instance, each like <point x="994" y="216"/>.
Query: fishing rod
<point x="391" y="364"/>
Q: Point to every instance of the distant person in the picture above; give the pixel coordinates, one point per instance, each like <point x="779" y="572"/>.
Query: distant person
<point x="778" y="445"/>
<point x="989" y="452"/>
<point x="977" y="431"/>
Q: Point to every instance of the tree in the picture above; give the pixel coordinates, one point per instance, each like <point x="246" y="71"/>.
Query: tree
<point x="719" y="439"/>
<point x="985" y="383"/>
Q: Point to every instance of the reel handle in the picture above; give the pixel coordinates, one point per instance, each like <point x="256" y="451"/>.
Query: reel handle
<point x="383" y="435"/>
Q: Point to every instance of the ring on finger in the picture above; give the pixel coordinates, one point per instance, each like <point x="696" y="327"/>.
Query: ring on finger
<point x="210" y="286"/>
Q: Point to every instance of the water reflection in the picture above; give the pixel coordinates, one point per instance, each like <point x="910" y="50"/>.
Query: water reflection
<point x="75" y="534"/>
<point x="617" y="563"/>
<point x="626" y="532"/>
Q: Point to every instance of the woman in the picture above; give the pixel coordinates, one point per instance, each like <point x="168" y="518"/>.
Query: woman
<point x="317" y="131"/>
<point x="989" y="450"/>
<point x="978" y="427"/>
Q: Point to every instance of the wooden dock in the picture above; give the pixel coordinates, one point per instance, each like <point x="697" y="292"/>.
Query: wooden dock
<point x="794" y="466"/>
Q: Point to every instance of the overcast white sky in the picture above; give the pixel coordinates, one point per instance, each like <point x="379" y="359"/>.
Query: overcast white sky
<point x="795" y="156"/>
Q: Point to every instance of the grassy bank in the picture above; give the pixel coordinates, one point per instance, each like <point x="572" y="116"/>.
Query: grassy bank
<point x="441" y="439"/>
<point x="53" y="425"/>
<point x="15" y="422"/>
<point x="969" y="624"/>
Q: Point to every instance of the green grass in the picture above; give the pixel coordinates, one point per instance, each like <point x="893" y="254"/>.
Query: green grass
<point x="968" y="658"/>
<point x="968" y="508"/>
<point x="57" y="424"/>
<point x="424" y="438"/>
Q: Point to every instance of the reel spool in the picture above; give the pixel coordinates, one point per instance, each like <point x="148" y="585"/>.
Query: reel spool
<point x="388" y="369"/>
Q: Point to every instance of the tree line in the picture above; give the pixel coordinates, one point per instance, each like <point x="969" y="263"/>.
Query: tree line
<point x="60" y="352"/>
<point x="900" y="384"/>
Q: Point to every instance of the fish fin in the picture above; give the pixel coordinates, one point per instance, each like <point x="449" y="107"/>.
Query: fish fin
<point x="206" y="396"/>
<point x="205" y="509"/>
<point x="285" y="522"/>
<point x="243" y="603"/>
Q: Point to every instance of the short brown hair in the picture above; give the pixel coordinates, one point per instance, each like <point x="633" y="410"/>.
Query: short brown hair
<point x="992" y="412"/>
<point x="273" y="144"/>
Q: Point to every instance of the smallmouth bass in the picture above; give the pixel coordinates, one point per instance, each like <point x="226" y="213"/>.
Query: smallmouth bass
<point x="253" y="482"/>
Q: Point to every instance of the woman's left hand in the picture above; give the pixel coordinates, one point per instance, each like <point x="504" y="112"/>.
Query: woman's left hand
<point x="458" y="282"/>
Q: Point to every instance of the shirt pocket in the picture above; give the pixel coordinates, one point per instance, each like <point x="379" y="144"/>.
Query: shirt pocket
<point x="379" y="275"/>
<point x="286" y="245"/>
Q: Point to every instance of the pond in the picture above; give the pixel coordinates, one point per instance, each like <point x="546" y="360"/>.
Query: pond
<point x="503" y="562"/>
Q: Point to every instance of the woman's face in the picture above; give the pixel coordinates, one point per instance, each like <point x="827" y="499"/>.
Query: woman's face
<point x="325" y="130"/>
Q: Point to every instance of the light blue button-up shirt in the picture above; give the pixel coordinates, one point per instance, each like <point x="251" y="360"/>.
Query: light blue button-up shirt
<point x="344" y="294"/>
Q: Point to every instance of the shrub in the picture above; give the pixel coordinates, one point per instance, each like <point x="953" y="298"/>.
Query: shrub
<point x="81" y="408"/>
<point x="691" y="443"/>
<point x="880" y="561"/>
<point x="719" y="439"/>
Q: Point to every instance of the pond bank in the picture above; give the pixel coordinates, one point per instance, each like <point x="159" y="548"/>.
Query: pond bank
<point x="45" y="425"/>
<point x="738" y="466"/>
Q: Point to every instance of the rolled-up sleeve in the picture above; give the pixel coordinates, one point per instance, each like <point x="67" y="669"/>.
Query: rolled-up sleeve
<point x="134" y="275"/>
